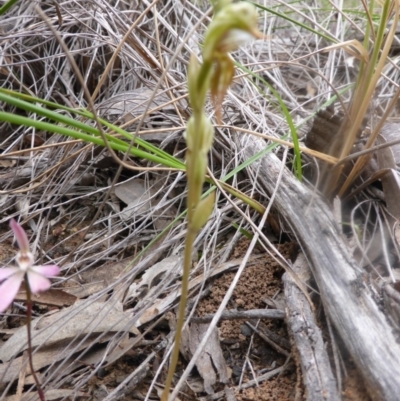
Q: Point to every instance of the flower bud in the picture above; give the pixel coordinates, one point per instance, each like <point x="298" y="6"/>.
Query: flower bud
<point x="199" y="133"/>
<point x="203" y="212"/>
<point x="206" y="131"/>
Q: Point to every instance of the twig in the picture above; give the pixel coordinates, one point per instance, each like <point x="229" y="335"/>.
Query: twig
<point x="268" y="340"/>
<point x="245" y="314"/>
<point x="251" y="383"/>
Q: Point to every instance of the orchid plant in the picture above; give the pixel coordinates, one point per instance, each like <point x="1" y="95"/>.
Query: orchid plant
<point x="233" y="23"/>
<point x="35" y="278"/>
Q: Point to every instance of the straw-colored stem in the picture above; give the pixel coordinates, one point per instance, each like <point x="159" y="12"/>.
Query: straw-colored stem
<point x="187" y="262"/>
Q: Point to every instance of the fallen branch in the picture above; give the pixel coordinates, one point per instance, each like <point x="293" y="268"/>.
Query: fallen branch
<point x="346" y="297"/>
<point x="314" y="361"/>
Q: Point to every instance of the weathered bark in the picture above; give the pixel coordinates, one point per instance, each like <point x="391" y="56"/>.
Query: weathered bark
<point x="318" y="377"/>
<point x="346" y="297"/>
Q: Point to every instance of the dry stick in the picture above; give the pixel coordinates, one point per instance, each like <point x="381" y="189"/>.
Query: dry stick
<point x="317" y="374"/>
<point x="10" y="155"/>
<point x="251" y="383"/>
<point x="243" y="314"/>
<point x="319" y="155"/>
<point x="277" y="347"/>
<point x="367" y="151"/>
<point x="347" y="300"/>
<point x="283" y="342"/>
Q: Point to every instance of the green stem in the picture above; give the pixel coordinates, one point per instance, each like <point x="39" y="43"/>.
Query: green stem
<point x="187" y="262"/>
<point x="193" y="199"/>
<point x="28" y="327"/>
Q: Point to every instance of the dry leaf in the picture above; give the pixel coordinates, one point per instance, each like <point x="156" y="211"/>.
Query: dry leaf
<point x="211" y="357"/>
<point x="154" y="274"/>
<point x="95" y="280"/>
<point x="132" y="104"/>
<point x="352" y="47"/>
<point x="44" y="357"/>
<point x="311" y="90"/>
<point x="7" y="163"/>
<point x="137" y="197"/>
<point x="51" y="297"/>
<point x="76" y="321"/>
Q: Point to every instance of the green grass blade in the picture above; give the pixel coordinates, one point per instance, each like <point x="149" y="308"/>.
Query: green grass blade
<point x="26" y="100"/>
<point x="5" y="7"/>
<point x="293" y="21"/>
<point x="285" y="111"/>
<point x="57" y="129"/>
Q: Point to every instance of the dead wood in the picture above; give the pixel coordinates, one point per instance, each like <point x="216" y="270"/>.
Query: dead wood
<point x="270" y="342"/>
<point x="243" y="314"/>
<point x="317" y="374"/>
<point x="347" y="299"/>
<point x="276" y="338"/>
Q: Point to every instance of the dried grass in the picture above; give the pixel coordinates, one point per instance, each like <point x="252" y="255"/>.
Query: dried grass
<point x="64" y="186"/>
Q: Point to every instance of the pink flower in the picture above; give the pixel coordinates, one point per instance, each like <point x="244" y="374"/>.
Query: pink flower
<point x="12" y="277"/>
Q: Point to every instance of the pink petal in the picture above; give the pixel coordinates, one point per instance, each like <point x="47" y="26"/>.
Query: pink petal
<point x="6" y="272"/>
<point x="20" y="236"/>
<point x="46" y="270"/>
<point x="9" y="289"/>
<point x="37" y="282"/>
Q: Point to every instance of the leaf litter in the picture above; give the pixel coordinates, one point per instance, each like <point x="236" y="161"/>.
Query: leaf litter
<point x="93" y="344"/>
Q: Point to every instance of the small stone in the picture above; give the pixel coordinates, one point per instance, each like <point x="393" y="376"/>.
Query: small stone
<point x="237" y="371"/>
<point x="246" y="330"/>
